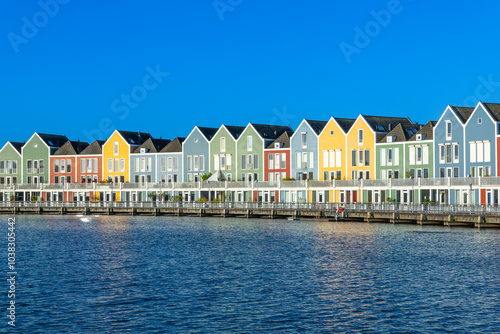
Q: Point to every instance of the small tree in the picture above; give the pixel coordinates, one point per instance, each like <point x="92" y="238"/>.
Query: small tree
<point x="205" y="177"/>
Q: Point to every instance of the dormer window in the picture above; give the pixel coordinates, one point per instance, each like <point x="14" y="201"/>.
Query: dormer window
<point x="391" y="139"/>
<point x="144" y="150"/>
<point x="277" y="145"/>
<point x="420" y="136"/>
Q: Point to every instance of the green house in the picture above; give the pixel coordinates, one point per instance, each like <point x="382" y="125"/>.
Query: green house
<point x="223" y="151"/>
<point x="35" y="157"/>
<point x="10" y="163"/>
<point x="250" y="149"/>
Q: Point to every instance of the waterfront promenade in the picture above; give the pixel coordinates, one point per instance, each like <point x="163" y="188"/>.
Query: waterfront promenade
<point x="424" y="214"/>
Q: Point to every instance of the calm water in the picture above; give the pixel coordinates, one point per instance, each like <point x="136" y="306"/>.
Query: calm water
<point x="209" y="275"/>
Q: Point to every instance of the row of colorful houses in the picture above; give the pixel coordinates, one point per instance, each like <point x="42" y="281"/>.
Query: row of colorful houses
<point x="462" y="142"/>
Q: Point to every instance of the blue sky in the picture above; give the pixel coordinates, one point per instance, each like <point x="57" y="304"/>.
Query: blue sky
<point x="85" y="68"/>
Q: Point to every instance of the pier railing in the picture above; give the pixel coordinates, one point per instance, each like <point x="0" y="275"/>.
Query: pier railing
<point x="324" y="207"/>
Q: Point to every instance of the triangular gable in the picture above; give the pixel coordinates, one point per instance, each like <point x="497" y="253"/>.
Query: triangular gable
<point x="36" y="134"/>
<point x="336" y="120"/>
<point x="308" y="123"/>
<point x="486" y="110"/>
<point x="196" y="128"/>
<point x="9" y="143"/>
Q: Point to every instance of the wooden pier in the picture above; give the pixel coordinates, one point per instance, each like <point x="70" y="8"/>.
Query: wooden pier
<point x="421" y="215"/>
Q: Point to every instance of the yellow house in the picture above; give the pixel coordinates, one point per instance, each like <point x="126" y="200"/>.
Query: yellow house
<point x="361" y="139"/>
<point x="116" y="157"/>
<point x="332" y="149"/>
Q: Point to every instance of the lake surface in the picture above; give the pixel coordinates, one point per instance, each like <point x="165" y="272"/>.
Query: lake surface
<point x="210" y="275"/>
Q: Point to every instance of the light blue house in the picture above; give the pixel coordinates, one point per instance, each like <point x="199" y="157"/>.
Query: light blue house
<point x="169" y="162"/>
<point x="196" y="153"/>
<point x="480" y="137"/>
<point x="449" y="142"/>
<point x="304" y="150"/>
<point x="143" y="161"/>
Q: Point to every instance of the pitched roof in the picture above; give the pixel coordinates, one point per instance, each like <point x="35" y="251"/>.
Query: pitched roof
<point x="284" y="139"/>
<point x="153" y="145"/>
<point x="385" y="123"/>
<point x="174" y="146"/>
<point x="463" y="112"/>
<point x="494" y="110"/>
<point x="134" y="138"/>
<point x="317" y="126"/>
<point x="208" y="132"/>
<point x="94" y="148"/>
<point x="267" y="131"/>
<point x="54" y="141"/>
<point x="402" y="132"/>
<point x="426" y="130"/>
<point x="235" y="131"/>
<point x="345" y="123"/>
<point x="17" y="146"/>
<point x="72" y="148"/>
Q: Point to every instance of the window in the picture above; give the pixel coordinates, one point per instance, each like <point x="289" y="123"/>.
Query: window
<point x="249" y="143"/>
<point x="455" y="172"/>
<point x="338" y="175"/>
<point x="311" y="159"/>
<point x="419" y="173"/>
<point x="389" y="157"/>
<point x="473" y="171"/>
<point x="82" y="166"/>
<point x="2" y="166"/>
<point x="110" y="165"/>
<point x="143" y="164"/>
<point x="271" y="161"/>
<point x="137" y="167"/>
<point x="367" y="158"/>
<point x="56" y="167"/>
<point x="63" y="165"/>
<point x="243" y="162"/>
<point x="176" y="164"/>
<point x="68" y="166"/>
<point x="116" y="165"/>
<point x="441" y="172"/>
<point x="479" y="152"/>
<point x="487" y="151"/>
<point x="419" y="155"/>
<point x="325" y="160"/>
<point x="448" y="130"/>
<point x="277" y="161"/>
<point x="189" y="163"/>
<point x="456" y="157"/>
<point x="256" y="162"/>
<point x="149" y="164"/>
<point x="479" y="121"/>
<point x="122" y="178"/>
<point x="223" y="144"/>
<point x="304" y="139"/>
<point x="426" y="173"/>
<point x="487" y="171"/>
<point x="338" y="158"/>
<point x="382" y="157"/>
<point x="360" y="137"/>
<point x="163" y="164"/>
<point x="396" y="174"/>
<point x="56" y="179"/>
<point x="425" y="153"/>
<point x="228" y="161"/>
<point x="223" y="162"/>
<point x="195" y="162"/>
<point x="441" y="154"/>
<point x="14" y="167"/>
<point x="448" y="153"/>
<point x="115" y="148"/>
<point x="304" y="160"/>
<point x="331" y="133"/>
<point x="360" y="158"/>
<point x="283" y="160"/>
<point x="353" y="158"/>
<point x="89" y="165"/>
<point x="332" y="159"/>
<point x="202" y="163"/>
